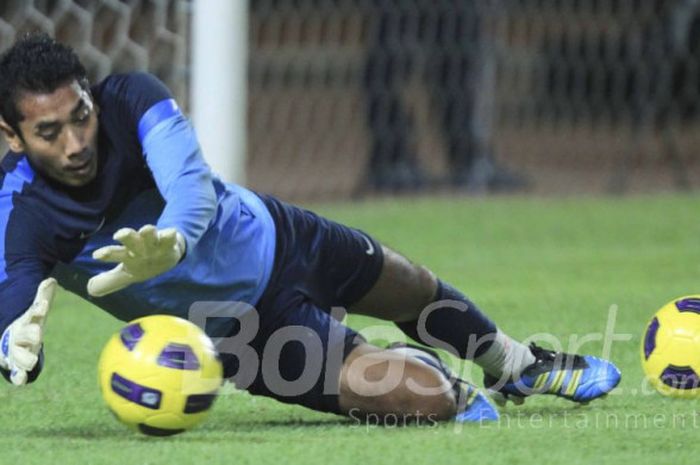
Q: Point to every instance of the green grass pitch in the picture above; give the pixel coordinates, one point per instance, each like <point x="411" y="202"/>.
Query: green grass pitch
<point x="535" y="265"/>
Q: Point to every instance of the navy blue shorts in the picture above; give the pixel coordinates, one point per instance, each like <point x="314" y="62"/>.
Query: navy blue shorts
<point x="300" y="344"/>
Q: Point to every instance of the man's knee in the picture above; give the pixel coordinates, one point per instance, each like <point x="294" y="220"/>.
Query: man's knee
<point x="381" y="382"/>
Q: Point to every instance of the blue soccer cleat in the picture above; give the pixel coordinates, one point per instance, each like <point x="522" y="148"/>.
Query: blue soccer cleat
<point x="472" y="405"/>
<point x="579" y="378"/>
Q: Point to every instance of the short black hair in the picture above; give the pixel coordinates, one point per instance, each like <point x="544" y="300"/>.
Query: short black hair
<point x="39" y="64"/>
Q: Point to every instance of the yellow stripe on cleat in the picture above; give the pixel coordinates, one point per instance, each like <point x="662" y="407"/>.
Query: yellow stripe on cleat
<point x="558" y="381"/>
<point x="573" y="383"/>
<point x="471" y="395"/>
<point x="541" y="379"/>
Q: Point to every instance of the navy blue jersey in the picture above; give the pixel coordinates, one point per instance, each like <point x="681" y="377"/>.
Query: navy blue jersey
<point x="150" y="171"/>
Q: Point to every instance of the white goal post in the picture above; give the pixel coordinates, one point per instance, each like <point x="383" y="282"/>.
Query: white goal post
<point x="219" y="83"/>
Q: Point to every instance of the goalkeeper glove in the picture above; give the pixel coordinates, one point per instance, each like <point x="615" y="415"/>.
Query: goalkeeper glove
<point x="20" y="345"/>
<point x="144" y="254"/>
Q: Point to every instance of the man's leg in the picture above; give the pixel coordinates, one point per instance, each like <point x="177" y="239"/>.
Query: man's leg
<point x="383" y="382"/>
<point x="302" y="355"/>
<point x="407" y="383"/>
<point x="436" y="314"/>
<point x="333" y="265"/>
<point x="450" y="321"/>
<point x="306" y="356"/>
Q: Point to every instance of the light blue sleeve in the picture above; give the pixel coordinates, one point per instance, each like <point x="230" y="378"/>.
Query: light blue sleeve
<point x="183" y="178"/>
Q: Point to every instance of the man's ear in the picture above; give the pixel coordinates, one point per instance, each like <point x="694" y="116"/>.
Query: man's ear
<point x="14" y="141"/>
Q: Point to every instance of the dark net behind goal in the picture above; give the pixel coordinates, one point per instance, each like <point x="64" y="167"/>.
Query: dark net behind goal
<point x="554" y="96"/>
<point x="354" y="97"/>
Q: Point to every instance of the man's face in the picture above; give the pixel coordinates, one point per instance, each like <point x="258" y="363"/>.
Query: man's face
<point x="59" y="134"/>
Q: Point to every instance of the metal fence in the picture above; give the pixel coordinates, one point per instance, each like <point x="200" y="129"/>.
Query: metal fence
<point x="353" y="97"/>
<point x="546" y="96"/>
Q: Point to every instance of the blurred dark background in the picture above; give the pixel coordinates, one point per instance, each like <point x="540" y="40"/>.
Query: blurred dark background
<point x="353" y="98"/>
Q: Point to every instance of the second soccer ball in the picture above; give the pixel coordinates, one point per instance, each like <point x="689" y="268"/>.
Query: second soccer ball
<point x="671" y="348"/>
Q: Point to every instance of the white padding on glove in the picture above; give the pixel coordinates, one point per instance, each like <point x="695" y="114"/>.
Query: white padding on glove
<point x="22" y="340"/>
<point x="144" y="254"/>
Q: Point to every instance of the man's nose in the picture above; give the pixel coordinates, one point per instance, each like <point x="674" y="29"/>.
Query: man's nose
<point x="75" y="142"/>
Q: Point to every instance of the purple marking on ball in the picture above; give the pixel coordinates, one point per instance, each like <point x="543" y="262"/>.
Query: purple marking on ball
<point x="680" y="377"/>
<point x="199" y="402"/>
<point x="136" y="393"/>
<point x="131" y="335"/>
<point x="688" y="305"/>
<point x="650" y="338"/>
<point x="179" y="357"/>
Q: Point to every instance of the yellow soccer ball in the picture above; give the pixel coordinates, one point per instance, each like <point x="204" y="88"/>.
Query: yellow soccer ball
<point x="160" y="375"/>
<point x="671" y="348"/>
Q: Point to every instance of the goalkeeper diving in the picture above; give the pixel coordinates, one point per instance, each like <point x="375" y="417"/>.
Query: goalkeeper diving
<point x="105" y="192"/>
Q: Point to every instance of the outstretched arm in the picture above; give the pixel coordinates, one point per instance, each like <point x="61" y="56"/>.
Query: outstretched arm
<point x="185" y="181"/>
<point x="183" y="178"/>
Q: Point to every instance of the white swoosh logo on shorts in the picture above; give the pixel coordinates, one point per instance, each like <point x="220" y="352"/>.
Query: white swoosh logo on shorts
<point x="370" y="246"/>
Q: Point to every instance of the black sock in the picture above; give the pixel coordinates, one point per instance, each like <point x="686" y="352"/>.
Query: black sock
<point x="457" y="326"/>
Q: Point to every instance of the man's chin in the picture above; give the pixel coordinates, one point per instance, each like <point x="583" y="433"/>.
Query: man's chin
<point x="75" y="180"/>
<point x="79" y="179"/>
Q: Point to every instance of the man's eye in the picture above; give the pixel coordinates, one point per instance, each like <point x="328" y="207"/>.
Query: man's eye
<point x="83" y="117"/>
<point x="49" y="137"/>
